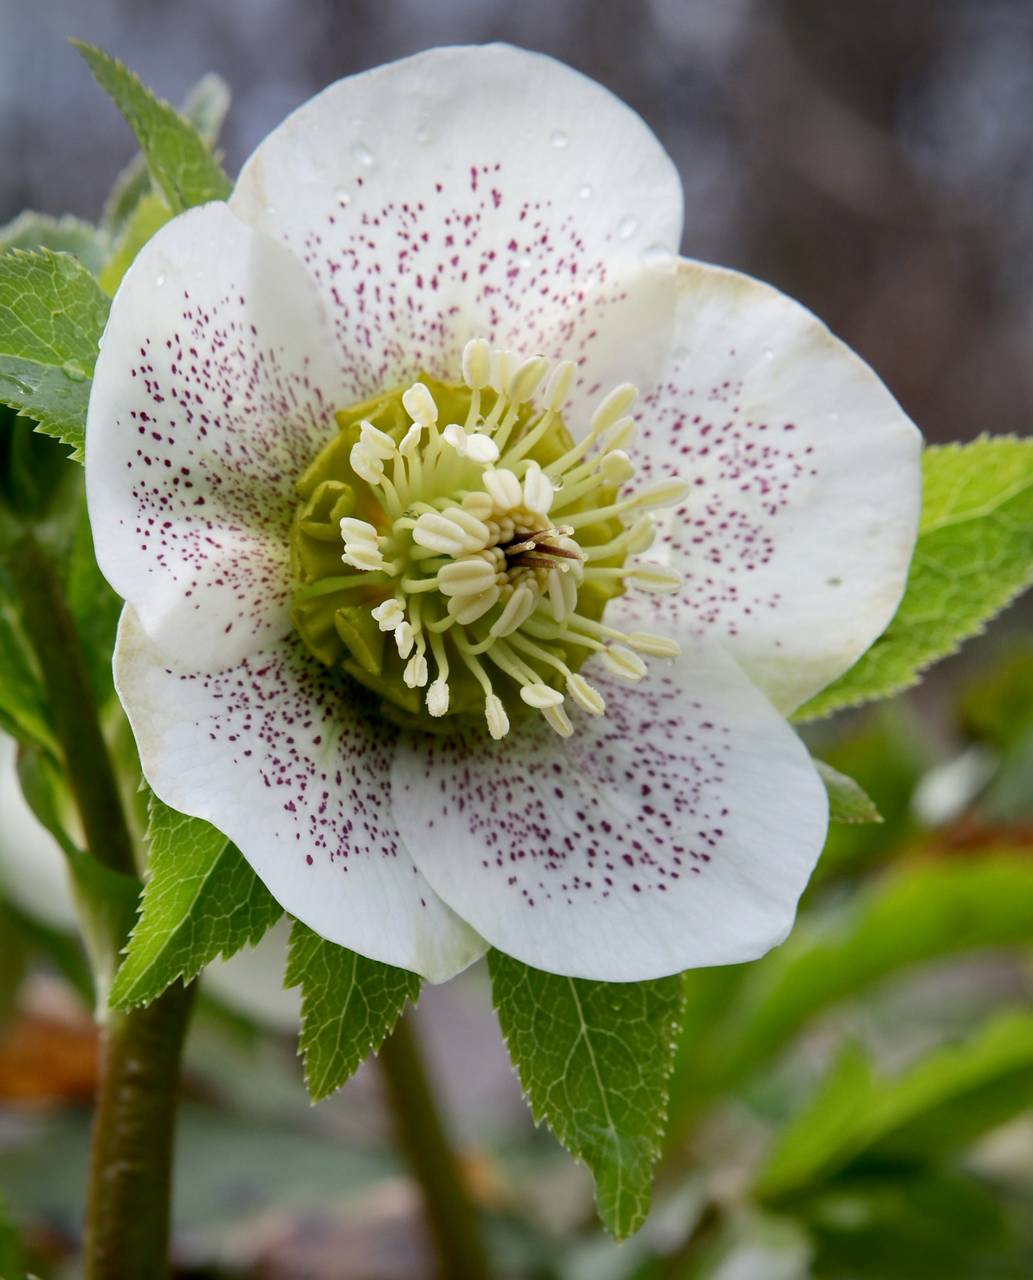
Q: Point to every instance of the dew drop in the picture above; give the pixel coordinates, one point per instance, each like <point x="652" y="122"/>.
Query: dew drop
<point x="343" y="198"/>
<point x="270" y="211"/>
<point x="362" y="153"/>
<point x="525" y="262"/>
<point x="72" y="372"/>
<point x="160" y="279"/>
<point x="585" y="192"/>
<point x="23" y="389"/>
<point x="769" y="353"/>
<point x="627" y="227"/>
<point x="559" y="139"/>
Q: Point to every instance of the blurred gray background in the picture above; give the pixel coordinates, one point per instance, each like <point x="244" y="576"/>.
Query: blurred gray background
<point x="874" y="158"/>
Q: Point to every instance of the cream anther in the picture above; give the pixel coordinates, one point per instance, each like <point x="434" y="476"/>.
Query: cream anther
<point x="538" y="490"/>
<point x="527" y="379"/>
<point x="502" y="363"/>
<point x="540" y="696"/>
<point x="389" y="615"/>
<point x="623" y="662"/>
<point x="613" y="406"/>
<point x="404" y="639"/>
<point x="366" y="465"/>
<point x="558" y="387"/>
<point x="655" y="577"/>
<point x="654" y="646"/>
<point x="376" y="441"/>
<point x="504" y="488"/>
<point x="621" y="435"/>
<point x="419" y="404"/>
<point x="495" y="714"/>
<point x="466" y="577"/>
<point x="664" y="494"/>
<point x="438" y="697"/>
<point x="477" y="365"/>
<point x="616" y="467"/>
<point x="585" y="695"/>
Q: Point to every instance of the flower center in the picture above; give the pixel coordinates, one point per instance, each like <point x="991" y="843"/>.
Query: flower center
<point x="483" y="540"/>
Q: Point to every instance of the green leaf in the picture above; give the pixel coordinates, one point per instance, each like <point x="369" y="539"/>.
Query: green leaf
<point x="95" y="608"/>
<point x="90" y="244"/>
<point x="148" y="217"/>
<point x="349" y="1005"/>
<point x="925" y="1226"/>
<point x="205" y="108"/>
<point x="939" y="1105"/>
<point x="181" y="163"/>
<point x="594" y="1059"/>
<point x="12" y="1264"/>
<point x="847" y="802"/>
<point x="974" y="554"/>
<point x="52" y="315"/>
<point x="201" y="900"/>
<point x="23" y="708"/>
<point x="915" y="916"/>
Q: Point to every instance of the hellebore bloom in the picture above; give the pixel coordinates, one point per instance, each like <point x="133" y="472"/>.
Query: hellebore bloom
<point x="474" y="545"/>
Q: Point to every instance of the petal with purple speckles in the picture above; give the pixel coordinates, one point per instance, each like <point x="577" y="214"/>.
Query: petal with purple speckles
<point x="214" y="387"/>
<point x="278" y="756"/>
<point x="677" y="831"/>
<point x="471" y="192"/>
<point x="795" y="540"/>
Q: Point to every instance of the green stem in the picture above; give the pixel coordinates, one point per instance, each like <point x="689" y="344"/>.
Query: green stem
<point x="127" y="1212"/>
<point x="421" y="1134"/>
<point x="130" y="1181"/>
<point x="51" y="632"/>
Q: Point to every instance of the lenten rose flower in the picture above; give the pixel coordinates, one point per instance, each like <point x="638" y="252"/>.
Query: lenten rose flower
<point x="474" y="545"/>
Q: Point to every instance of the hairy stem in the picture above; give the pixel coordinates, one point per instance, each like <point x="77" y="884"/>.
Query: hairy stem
<point x="127" y="1212"/>
<point x="51" y="632"/>
<point x="421" y="1134"/>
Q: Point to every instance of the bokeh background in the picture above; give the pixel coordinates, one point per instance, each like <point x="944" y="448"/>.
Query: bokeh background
<point x="875" y="160"/>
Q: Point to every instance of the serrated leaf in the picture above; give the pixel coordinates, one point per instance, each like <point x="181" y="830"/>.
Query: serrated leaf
<point x="940" y="1104"/>
<point x="915" y="916"/>
<point x="90" y="244"/>
<point x="349" y="1005"/>
<point x="847" y="801"/>
<point x="201" y="901"/>
<point x="150" y="214"/>
<point x="52" y="315"/>
<point x="180" y="162"/>
<point x="973" y="556"/>
<point x="594" y="1060"/>
<point x="204" y="107"/>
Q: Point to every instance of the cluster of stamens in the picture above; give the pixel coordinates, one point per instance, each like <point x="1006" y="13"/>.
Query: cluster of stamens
<point x="485" y="553"/>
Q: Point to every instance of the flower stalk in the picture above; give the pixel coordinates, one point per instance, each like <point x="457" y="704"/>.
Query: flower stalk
<point x="127" y="1214"/>
<point x="421" y="1134"/>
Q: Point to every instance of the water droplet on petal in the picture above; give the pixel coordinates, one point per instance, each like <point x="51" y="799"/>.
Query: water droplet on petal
<point x="559" y="139"/>
<point x="72" y="372"/>
<point x="769" y="353"/>
<point x="160" y="279"/>
<point x="660" y="258"/>
<point x="270" y="210"/>
<point x="362" y="153"/>
<point x="343" y="198"/>
<point x="525" y="262"/>
<point x="627" y="227"/>
<point x="585" y="192"/>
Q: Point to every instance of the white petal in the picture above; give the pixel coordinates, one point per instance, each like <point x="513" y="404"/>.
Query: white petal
<point x="273" y="754"/>
<point x="472" y="192"/>
<point x="795" y="538"/>
<point x="676" y="831"/>
<point x="213" y="389"/>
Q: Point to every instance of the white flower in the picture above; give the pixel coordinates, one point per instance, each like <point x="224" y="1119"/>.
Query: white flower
<point x="465" y="251"/>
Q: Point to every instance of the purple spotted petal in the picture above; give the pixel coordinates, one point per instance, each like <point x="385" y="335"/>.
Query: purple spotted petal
<point x="796" y="537"/>
<point x="214" y="387"/>
<point x="474" y="192"/>
<point x="276" y="754"/>
<point x="678" y="830"/>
